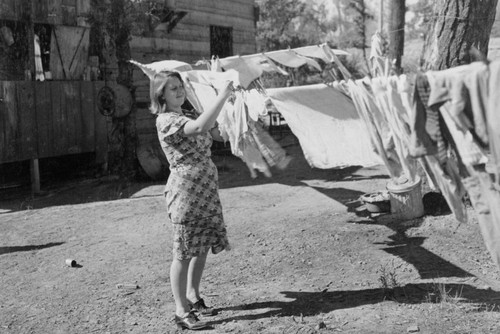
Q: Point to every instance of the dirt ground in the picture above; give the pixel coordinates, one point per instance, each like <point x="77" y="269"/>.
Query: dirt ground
<point x="305" y="258"/>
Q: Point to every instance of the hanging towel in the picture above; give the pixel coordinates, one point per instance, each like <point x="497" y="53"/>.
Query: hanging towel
<point x="326" y="124"/>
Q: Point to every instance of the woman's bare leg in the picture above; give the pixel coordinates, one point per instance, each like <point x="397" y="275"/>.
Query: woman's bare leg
<point x="195" y="272"/>
<point x="178" y="281"/>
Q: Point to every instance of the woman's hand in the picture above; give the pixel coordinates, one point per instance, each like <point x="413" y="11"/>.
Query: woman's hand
<point x="207" y="119"/>
<point x="227" y="88"/>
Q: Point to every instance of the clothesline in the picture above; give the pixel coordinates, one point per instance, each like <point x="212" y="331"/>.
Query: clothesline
<point x="251" y="67"/>
<point x="432" y="117"/>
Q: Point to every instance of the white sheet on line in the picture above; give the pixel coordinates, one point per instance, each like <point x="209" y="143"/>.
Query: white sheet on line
<point x="328" y="127"/>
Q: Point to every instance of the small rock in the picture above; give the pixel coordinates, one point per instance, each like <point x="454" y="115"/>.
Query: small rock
<point x="413" y="329"/>
<point x="321" y="325"/>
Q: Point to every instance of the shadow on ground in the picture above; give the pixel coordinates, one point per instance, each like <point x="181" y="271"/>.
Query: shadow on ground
<point x="15" y="249"/>
<point x="232" y="173"/>
<point x="315" y="303"/>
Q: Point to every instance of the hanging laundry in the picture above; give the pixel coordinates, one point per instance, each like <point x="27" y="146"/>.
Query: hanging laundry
<point x="249" y="141"/>
<point x="215" y="79"/>
<point x="290" y="58"/>
<point x="271" y="151"/>
<point x="380" y="134"/>
<point x="247" y="71"/>
<point x="390" y="101"/>
<point x="39" y="76"/>
<point x="238" y="123"/>
<point x="485" y="199"/>
<point x="469" y="151"/>
<point x="378" y="61"/>
<point x="424" y="122"/>
<point x="295" y="57"/>
<point x="330" y="131"/>
<point x="493" y="119"/>
<point x="256" y="103"/>
<point x="332" y="58"/>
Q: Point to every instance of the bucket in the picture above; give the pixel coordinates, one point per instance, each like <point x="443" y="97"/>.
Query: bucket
<point x="406" y="199"/>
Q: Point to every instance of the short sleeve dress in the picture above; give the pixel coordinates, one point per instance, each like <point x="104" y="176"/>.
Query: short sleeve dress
<point x="191" y="193"/>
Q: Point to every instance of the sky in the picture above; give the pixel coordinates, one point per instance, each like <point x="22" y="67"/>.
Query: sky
<point x="373" y="4"/>
<point x="369" y="3"/>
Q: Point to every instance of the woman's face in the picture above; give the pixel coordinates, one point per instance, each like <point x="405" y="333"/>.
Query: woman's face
<point x="174" y="93"/>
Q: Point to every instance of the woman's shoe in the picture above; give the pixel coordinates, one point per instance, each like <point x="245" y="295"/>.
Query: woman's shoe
<point x="190" y="321"/>
<point x="201" y="308"/>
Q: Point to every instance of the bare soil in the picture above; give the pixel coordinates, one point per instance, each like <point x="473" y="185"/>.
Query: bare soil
<point x="305" y="258"/>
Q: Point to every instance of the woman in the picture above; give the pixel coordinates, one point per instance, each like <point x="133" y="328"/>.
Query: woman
<point x="191" y="192"/>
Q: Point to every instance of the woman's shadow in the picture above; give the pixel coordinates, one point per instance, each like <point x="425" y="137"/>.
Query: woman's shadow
<point x="302" y="303"/>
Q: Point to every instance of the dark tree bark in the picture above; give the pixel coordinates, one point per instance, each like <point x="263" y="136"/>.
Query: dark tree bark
<point x="125" y="160"/>
<point x="397" y="32"/>
<point x="456" y="26"/>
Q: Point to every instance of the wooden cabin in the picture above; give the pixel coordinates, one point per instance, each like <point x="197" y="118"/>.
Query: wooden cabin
<point x="193" y="30"/>
<point x="47" y="101"/>
<point x="50" y="89"/>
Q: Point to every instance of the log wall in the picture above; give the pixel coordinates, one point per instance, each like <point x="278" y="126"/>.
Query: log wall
<point x="58" y="12"/>
<point x="189" y="41"/>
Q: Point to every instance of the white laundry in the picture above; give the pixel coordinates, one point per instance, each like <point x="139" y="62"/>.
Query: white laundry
<point x="38" y="60"/>
<point x="161" y="66"/>
<point x="256" y="104"/>
<point x="328" y="127"/>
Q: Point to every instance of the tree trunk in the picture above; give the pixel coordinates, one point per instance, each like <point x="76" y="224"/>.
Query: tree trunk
<point x="455" y="27"/>
<point x="397" y="32"/>
<point x="340" y="16"/>
<point x="125" y="160"/>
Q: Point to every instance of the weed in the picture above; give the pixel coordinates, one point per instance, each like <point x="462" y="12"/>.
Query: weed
<point x="441" y="294"/>
<point x="388" y="277"/>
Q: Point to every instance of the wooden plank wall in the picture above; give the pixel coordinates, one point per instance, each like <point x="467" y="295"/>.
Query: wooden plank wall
<point x="66" y="121"/>
<point x="61" y="12"/>
<point x="49" y="119"/>
<point x="69" y="52"/>
<point x="65" y="12"/>
<point x="11" y="9"/>
<point x="189" y="41"/>
<point x="17" y="122"/>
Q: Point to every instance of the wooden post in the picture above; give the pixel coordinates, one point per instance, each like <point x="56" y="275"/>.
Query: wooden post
<point x="28" y="8"/>
<point x="397" y="32"/>
<point x="381" y="17"/>
<point x="35" y="176"/>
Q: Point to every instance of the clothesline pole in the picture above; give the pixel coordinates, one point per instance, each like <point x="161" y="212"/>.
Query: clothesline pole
<point x="381" y="17"/>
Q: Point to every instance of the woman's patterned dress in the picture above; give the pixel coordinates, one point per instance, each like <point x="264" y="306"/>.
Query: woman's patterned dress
<point x="193" y="203"/>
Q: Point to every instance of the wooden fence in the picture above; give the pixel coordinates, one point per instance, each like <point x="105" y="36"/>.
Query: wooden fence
<point x="49" y="119"/>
